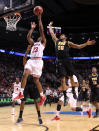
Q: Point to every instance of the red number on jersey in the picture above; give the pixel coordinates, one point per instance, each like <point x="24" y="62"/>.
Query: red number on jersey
<point x="35" y="49"/>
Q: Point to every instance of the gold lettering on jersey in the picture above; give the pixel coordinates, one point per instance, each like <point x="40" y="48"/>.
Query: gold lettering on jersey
<point x="83" y="88"/>
<point x="94" y="80"/>
<point x="61" y="45"/>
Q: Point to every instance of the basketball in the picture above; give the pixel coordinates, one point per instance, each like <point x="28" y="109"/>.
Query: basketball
<point x="37" y="10"/>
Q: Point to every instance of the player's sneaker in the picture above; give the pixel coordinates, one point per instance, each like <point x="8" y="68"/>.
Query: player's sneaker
<point x="20" y="96"/>
<point x="42" y="100"/>
<point x="89" y="113"/>
<point x="19" y="120"/>
<point x="56" y="118"/>
<point x="40" y="121"/>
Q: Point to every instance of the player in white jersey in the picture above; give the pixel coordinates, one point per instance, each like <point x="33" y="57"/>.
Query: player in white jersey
<point x="35" y="64"/>
<point x="16" y="90"/>
<point x="71" y="100"/>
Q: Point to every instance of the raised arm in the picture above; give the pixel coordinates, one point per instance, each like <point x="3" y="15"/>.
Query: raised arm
<point x="41" y="29"/>
<point x="76" y="46"/>
<point x="26" y="53"/>
<point x="30" y="40"/>
<point x="52" y="32"/>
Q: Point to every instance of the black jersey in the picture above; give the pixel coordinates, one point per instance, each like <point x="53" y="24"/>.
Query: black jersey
<point x="84" y="89"/>
<point x="93" y="80"/>
<point x="62" y="49"/>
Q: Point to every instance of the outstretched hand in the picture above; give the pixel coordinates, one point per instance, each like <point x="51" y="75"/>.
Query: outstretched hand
<point x="91" y="42"/>
<point x="33" y="25"/>
<point x="51" y="23"/>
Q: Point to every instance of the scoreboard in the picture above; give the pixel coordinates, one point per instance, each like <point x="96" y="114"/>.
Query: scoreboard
<point x="57" y="30"/>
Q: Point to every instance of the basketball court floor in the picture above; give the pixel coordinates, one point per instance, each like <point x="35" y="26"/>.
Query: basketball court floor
<point x="69" y="121"/>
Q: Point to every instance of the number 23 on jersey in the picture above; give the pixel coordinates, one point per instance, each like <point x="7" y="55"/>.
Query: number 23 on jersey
<point x="35" y="49"/>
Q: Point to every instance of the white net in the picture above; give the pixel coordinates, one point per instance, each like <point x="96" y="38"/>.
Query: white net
<point x="12" y="21"/>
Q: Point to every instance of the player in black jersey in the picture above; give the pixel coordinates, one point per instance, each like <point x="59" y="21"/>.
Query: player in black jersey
<point x="94" y="86"/>
<point x="63" y="62"/>
<point x="31" y="91"/>
<point x="84" y="92"/>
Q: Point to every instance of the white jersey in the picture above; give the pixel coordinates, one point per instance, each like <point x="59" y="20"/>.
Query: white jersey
<point x="37" y="50"/>
<point x="69" y="83"/>
<point x="17" y="87"/>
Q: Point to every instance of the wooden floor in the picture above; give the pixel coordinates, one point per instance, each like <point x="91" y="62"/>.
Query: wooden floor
<point x="30" y="123"/>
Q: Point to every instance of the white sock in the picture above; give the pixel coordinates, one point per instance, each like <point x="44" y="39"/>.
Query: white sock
<point x="13" y="109"/>
<point x="41" y="94"/>
<point x="81" y="106"/>
<point x="82" y="109"/>
<point x="57" y="113"/>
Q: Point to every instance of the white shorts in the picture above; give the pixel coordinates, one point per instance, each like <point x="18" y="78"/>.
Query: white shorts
<point x="71" y="100"/>
<point x="15" y="95"/>
<point x="35" y="66"/>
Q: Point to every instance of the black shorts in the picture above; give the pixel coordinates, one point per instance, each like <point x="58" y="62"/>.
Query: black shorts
<point x="94" y="96"/>
<point x="84" y="96"/>
<point x="65" y="68"/>
<point x="31" y="92"/>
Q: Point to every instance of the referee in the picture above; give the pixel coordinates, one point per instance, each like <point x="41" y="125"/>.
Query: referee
<point x="63" y="62"/>
<point x="48" y="98"/>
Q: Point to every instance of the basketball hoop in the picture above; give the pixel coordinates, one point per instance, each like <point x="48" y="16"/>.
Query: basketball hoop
<point x="12" y="21"/>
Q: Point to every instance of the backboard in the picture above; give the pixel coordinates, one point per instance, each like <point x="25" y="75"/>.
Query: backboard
<point x="10" y="6"/>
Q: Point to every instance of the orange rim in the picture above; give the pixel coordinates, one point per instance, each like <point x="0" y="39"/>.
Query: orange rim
<point x="6" y="17"/>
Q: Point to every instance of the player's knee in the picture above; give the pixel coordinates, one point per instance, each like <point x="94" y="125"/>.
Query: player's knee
<point x="22" y="102"/>
<point x="36" y="80"/>
<point x="73" y="108"/>
<point x="26" y="72"/>
<point x="60" y="102"/>
<point x="35" y="101"/>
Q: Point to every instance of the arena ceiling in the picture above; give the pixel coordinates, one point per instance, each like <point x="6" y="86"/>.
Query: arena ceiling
<point x="70" y="14"/>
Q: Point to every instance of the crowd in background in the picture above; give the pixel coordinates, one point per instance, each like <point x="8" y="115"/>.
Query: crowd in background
<point x="11" y="67"/>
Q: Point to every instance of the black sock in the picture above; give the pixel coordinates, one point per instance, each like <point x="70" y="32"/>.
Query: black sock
<point x="58" y="107"/>
<point x="78" y="109"/>
<point x="39" y="114"/>
<point x="20" y="115"/>
<point x="73" y="89"/>
<point x="97" y="111"/>
<point x="74" y="93"/>
<point x="64" y="92"/>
